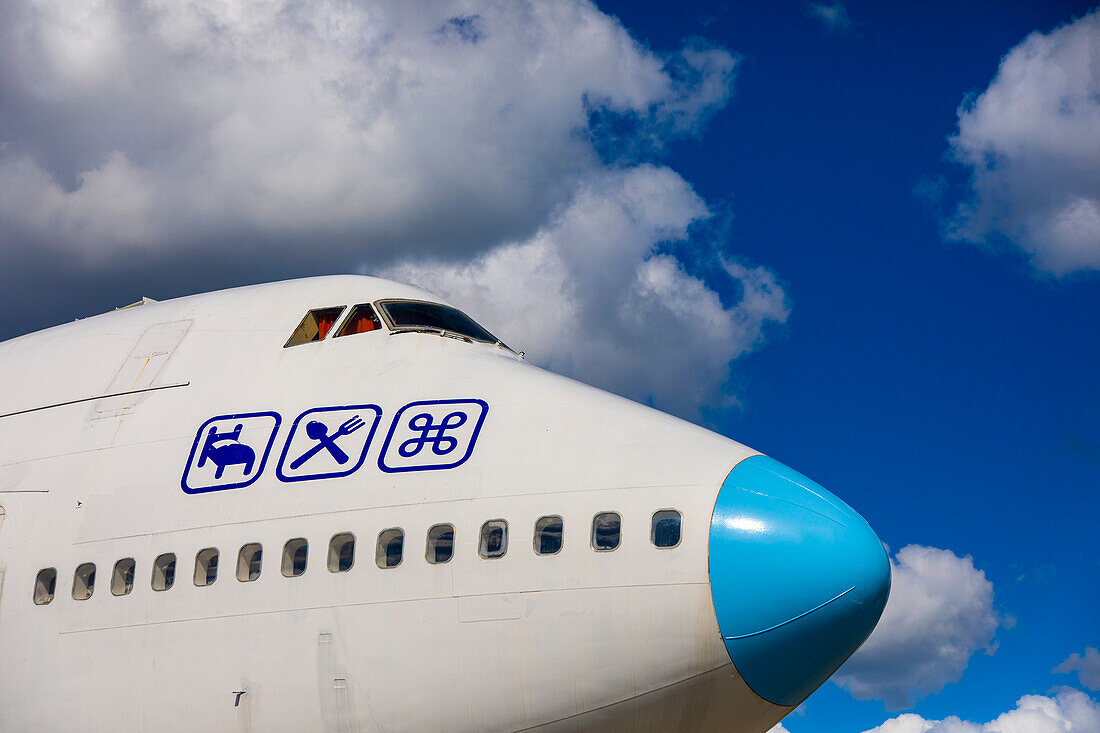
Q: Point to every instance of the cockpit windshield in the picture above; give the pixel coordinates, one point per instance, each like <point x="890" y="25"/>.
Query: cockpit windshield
<point x="418" y="315"/>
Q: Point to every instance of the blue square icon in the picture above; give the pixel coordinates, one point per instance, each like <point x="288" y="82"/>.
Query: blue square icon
<point x="328" y="442"/>
<point x="229" y="451"/>
<point x="432" y="435"/>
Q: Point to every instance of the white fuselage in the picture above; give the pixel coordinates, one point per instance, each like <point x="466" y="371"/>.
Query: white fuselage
<point x="582" y="639"/>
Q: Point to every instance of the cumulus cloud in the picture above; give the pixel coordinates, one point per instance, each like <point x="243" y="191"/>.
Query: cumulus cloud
<point x="588" y="297"/>
<point x="494" y="151"/>
<point x="939" y="614"/>
<point x="380" y="126"/>
<point x="1069" y="711"/>
<point x="1087" y="667"/>
<point x="1032" y="142"/>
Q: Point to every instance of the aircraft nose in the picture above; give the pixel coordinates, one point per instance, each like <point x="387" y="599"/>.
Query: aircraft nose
<point x="798" y="578"/>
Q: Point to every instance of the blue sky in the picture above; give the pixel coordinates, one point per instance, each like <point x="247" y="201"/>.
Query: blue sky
<point x="867" y="236"/>
<point x="949" y="393"/>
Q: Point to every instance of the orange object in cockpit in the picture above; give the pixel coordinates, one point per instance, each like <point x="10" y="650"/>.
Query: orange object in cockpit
<point x="361" y="320"/>
<point x="324" y="325"/>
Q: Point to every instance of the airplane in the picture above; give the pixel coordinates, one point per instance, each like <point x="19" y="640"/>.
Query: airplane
<point x="340" y="504"/>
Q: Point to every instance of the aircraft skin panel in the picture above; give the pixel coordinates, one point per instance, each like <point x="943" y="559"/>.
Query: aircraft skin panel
<point x="578" y="640"/>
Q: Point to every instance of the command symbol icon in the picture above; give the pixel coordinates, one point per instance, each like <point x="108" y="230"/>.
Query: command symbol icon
<point x="432" y="435"/>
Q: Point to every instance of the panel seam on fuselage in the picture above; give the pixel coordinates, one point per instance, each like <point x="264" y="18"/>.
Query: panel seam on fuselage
<point x="712" y="670"/>
<point x="378" y="507"/>
<point x="96" y="397"/>
<point x="378" y="603"/>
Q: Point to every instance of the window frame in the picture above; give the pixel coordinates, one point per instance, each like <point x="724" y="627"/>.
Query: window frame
<point x="245" y="563"/>
<point x="482" y="549"/>
<point x="679" y="528"/>
<point x="52" y="572"/>
<point x="537" y="545"/>
<point x="87" y="578"/>
<point x="333" y="561"/>
<point x="383" y="313"/>
<point x="203" y="563"/>
<point x="619" y="536"/>
<point x="431" y="556"/>
<point x="116" y="576"/>
<point x="347" y="320"/>
<point x="285" y="565"/>
<point x="340" y="310"/>
<point x="168" y="578"/>
<point x="381" y="557"/>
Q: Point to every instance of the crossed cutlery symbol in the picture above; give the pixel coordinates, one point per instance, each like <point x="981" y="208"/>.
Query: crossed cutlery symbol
<point x="318" y="431"/>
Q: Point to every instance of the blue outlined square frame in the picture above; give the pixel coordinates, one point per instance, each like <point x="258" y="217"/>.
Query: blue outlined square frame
<point x="432" y="435"/>
<point x="321" y="464"/>
<point x="218" y="446"/>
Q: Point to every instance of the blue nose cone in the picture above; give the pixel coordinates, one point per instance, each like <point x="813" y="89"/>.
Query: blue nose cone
<point x="799" y="579"/>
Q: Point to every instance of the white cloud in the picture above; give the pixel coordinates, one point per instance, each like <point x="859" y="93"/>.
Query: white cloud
<point x="1086" y="667"/>
<point x="778" y="728"/>
<point x="940" y="613"/>
<point x="381" y="126"/>
<point x="586" y="295"/>
<point x="1069" y="711"/>
<point x="833" y="16"/>
<point x="460" y="143"/>
<point x="1032" y="140"/>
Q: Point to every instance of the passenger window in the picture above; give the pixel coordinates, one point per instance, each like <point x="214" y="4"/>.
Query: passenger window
<point x="494" y="539"/>
<point x="84" y="581"/>
<point x="665" y="530"/>
<point x="361" y="320"/>
<point x="390" y="544"/>
<point x="441" y="543"/>
<point x="164" y="571"/>
<point x="315" y="326"/>
<point x="44" y="586"/>
<point x="249" y="560"/>
<point x="122" y="578"/>
<point x="206" y="567"/>
<point x="548" y="535"/>
<point x="294" y="557"/>
<point x="341" y="553"/>
<point x="605" y="531"/>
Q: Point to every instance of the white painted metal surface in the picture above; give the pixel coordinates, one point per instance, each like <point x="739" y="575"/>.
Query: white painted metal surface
<point x="99" y="418"/>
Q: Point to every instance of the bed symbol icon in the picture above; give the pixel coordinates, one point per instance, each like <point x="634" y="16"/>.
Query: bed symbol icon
<point x="229" y="451"/>
<point x="328" y="442"/>
<point x="225" y="449"/>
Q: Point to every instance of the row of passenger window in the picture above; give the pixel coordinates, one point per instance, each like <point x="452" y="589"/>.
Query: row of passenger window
<point x="389" y="550"/>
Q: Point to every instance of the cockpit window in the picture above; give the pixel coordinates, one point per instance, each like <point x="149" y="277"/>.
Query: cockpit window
<point x="361" y="320"/>
<point x="315" y="326"/>
<point x="418" y="315"/>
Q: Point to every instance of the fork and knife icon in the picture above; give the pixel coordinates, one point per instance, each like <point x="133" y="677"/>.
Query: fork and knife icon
<point x="318" y="431"/>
